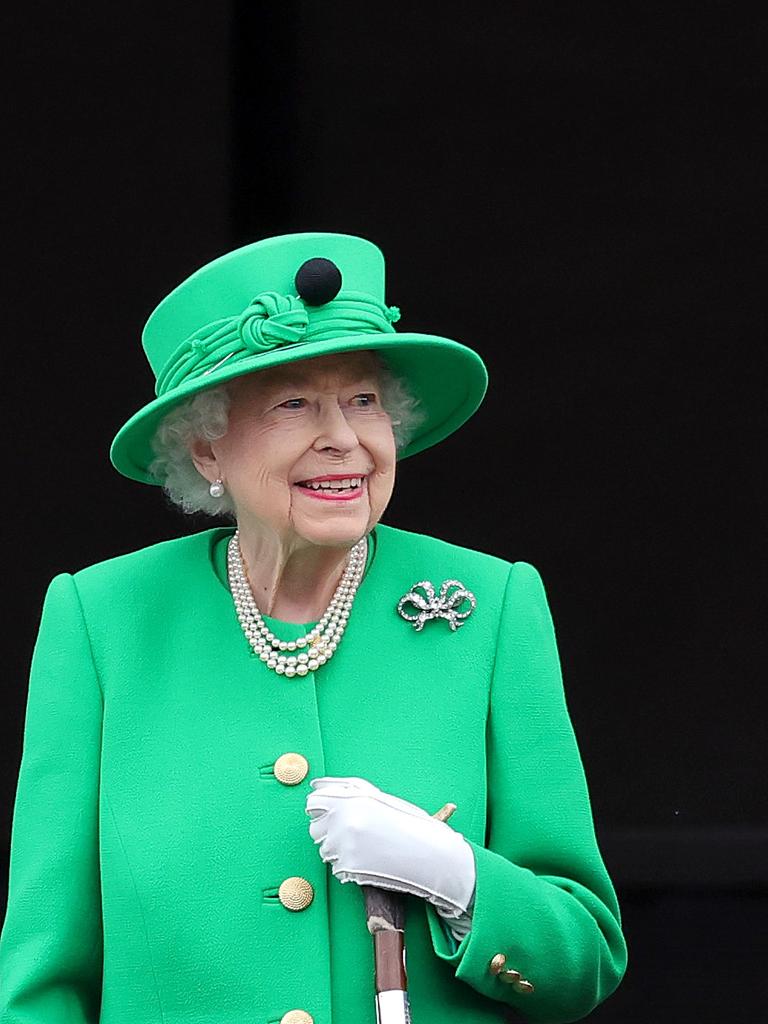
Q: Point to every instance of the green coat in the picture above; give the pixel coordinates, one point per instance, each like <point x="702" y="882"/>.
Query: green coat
<point x="151" y="833"/>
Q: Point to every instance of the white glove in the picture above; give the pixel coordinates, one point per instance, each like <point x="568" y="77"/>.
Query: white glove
<point x="371" y="837"/>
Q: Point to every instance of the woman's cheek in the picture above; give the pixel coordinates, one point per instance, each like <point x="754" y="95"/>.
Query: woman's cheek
<point x="268" y="496"/>
<point x="380" y="486"/>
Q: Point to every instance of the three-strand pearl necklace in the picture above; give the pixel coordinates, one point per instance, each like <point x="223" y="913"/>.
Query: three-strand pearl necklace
<point x="318" y="645"/>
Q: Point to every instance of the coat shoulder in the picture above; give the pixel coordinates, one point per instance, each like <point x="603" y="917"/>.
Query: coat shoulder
<point x="441" y="557"/>
<point x="148" y="568"/>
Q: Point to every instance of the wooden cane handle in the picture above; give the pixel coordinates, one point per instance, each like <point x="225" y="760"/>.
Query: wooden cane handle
<point x="384" y="909"/>
<point x="445" y="812"/>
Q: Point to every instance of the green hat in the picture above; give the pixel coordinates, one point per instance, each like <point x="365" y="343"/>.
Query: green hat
<point x="280" y="300"/>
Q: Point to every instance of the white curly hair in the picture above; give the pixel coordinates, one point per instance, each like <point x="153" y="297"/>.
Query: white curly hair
<point x="206" y="415"/>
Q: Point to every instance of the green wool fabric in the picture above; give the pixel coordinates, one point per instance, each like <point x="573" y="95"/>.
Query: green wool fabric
<point x="150" y="833"/>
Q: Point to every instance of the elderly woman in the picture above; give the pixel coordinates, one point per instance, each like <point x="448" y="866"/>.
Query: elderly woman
<point x="222" y="728"/>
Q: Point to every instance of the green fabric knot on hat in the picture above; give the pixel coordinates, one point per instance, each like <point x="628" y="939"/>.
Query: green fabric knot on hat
<point x="269" y="320"/>
<point x="272" y="319"/>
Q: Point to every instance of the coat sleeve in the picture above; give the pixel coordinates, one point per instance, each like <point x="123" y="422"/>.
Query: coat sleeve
<point x="52" y="941"/>
<point x="543" y="897"/>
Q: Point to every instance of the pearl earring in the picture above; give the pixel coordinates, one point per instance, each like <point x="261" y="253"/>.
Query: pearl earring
<point x="216" y="490"/>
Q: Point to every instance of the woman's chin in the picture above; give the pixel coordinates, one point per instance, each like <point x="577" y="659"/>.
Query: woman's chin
<point x="341" y="531"/>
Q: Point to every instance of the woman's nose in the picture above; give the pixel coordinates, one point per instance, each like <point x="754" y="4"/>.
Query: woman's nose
<point x="333" y="429"/>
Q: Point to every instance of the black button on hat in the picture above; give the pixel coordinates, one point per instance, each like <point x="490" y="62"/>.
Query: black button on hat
<point x="318" y="281"/>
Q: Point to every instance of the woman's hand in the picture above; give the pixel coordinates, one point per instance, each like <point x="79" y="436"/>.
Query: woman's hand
<point x="374" y="838"/>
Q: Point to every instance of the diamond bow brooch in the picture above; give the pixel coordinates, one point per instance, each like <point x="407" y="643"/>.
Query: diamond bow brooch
<point x="445" y="605"/>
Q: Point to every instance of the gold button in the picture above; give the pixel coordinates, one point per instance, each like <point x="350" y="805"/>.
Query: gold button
<point x="291" y="768"/>
<point x="510" y="976"/>
<point x="297" y="1017"/>
<point x="497" y="963"/>
<point x="296" y="893"/>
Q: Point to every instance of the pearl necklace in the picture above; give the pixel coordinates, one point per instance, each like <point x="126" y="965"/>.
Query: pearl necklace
<point x="318" y="645"/>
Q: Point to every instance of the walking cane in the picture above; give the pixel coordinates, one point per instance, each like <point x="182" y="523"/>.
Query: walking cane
<point x="385" y="918"/>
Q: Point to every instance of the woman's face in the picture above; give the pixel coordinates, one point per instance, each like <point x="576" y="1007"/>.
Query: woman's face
<point x="309" y="453"/>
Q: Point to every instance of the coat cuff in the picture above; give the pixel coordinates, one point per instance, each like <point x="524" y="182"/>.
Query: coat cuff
<point x="530" y="920"/>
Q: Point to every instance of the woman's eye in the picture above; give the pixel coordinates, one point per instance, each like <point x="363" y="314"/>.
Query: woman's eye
<point x="364" y="399"/>
<point x="293" y="403"/>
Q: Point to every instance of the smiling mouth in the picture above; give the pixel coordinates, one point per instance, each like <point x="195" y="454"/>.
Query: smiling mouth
<point x="332" y="488"/>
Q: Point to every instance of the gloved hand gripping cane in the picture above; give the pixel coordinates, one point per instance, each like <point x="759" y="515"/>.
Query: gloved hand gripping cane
<point x="390" y="847"/>
<point x="385" y="918"/>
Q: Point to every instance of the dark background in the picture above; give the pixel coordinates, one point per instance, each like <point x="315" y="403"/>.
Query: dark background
<point x="576" y="190"/>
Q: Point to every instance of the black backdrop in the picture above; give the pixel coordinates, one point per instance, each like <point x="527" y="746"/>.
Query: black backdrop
<point x="578" y="191"/>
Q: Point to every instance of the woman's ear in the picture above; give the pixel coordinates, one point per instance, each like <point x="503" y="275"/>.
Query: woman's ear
<point x="204" y="459"/>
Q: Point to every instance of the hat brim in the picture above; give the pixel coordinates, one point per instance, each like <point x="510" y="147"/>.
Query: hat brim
<point x="448" y="378"/>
